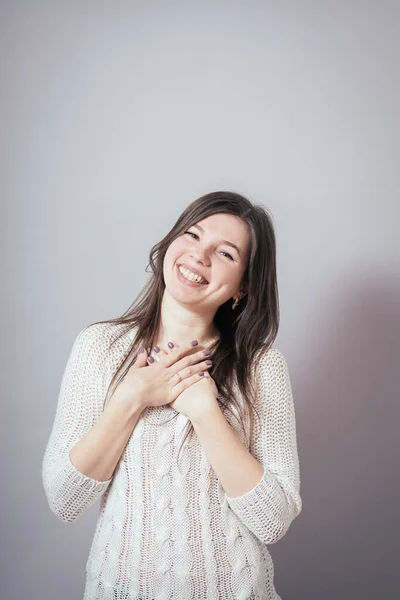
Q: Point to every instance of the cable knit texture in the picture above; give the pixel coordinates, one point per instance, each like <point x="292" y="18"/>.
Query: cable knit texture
<point x="168" y="531"/>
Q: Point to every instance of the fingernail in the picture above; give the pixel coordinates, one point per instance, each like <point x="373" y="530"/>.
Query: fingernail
<point x="170" y="345"/>
<point x="207" y="352"/>
<point x="194" y="343"/>
<point x="150" y="359"/>
<point x="156" y="349"/>
<point x="201" y="373"/>
<point x="141" y="349"/>
<point x="208" y="362"/>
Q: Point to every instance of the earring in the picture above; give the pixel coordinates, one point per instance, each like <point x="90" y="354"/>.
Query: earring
<point x="234" y="305"/>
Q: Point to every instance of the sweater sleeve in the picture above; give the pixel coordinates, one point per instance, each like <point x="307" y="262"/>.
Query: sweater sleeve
<point x="271" y="505"/>
<point x="68" y="491"/>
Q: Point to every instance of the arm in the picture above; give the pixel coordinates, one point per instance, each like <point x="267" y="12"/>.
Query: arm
<point x="98" y="452"/>
<point x="263" y="487"/>
<point x="85" y="443"/>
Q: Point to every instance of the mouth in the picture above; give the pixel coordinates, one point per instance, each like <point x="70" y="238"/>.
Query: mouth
<point x="189" y="282"/>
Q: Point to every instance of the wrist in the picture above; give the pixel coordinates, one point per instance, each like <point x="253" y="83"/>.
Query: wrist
<point x="130" y="409"/>
<point x="206" y="410"/>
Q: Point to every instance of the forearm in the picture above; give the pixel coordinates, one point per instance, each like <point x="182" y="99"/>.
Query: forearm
<point x="235" y="467"/>
<point x="97" y="454"/>
<point x="265" y="502"/>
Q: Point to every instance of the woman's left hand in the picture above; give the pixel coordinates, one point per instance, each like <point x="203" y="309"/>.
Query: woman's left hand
<point x="198" y="397"/>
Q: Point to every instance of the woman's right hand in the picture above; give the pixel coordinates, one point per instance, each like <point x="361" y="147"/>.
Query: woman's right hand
<point x="159" y="384"/>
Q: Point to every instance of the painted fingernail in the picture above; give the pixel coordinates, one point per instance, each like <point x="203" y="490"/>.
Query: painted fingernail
<point x="208" y="362"/>
<point x="150" y="359"/>
<point x="141" y="349"/>
<point x="207" y="352"/>
<point x="170" y="345"/>
<point x="201" y="373"/>
<point x="156" y="349"/>
<point x="194" y="343"/>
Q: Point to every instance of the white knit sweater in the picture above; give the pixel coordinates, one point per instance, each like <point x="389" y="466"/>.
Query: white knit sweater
<point x="165" y="533"/>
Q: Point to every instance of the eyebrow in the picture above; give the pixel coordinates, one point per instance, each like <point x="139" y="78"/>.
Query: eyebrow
<point x="222" y="241"/>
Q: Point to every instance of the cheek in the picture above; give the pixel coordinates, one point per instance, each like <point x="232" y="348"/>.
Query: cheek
<point x="175" y="251"/>
<point x="223" y="278"/>
<point x="172" y="254"/>
<point x="232" y="280"/>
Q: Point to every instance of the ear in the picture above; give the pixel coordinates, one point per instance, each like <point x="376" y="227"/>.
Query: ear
<point x="243" y="292"/>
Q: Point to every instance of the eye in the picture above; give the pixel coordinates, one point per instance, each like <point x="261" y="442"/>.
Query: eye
<point x="191" y="233"/>
<point x="222" y="251"/>
<point x="227" y="254"/>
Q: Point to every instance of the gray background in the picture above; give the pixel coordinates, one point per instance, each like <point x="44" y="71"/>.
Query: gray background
<point x="114" y="116"/>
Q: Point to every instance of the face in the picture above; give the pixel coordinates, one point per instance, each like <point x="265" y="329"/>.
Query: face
<point x="204" y="249"/>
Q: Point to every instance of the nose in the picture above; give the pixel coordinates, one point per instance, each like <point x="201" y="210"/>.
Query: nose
<point x="201" y="255"/>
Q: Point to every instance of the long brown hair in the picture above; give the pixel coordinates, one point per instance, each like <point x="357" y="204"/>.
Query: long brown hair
<point x="244" y="332"/>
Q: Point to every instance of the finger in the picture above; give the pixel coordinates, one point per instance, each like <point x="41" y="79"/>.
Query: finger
<point x="157" y="353"/>
<point x="179" y="387"/>
<point x="178" y="352"/>
<point x="191" y="359"/>
<point x="141" y="358"/>
<point x="168" y="349"/>
<point x="171" y="346"/>
<point x="193" y="370"/>
<point x="151" y="359"/>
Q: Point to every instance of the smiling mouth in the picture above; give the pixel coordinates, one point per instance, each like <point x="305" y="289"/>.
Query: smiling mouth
<point x="183" y="275"/>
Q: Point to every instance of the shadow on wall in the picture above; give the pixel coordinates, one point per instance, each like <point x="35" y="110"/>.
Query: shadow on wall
<point x="346" y="391"/>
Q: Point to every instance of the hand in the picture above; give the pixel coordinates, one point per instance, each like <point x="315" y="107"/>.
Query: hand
<point x="161" y="384"/>
<point x="198" y="396"/>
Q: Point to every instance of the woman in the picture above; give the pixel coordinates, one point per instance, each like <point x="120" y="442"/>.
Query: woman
<point x="184" y="519"/>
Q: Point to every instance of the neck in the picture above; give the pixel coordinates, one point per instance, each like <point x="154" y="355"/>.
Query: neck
<point x="182" y="324"/>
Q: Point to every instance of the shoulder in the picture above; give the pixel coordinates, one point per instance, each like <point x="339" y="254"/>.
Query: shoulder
<point x="95" y="333"/>
<point x="98" y="338"/>
<point x="271" y="368"/>
<point x="270" y="358"/>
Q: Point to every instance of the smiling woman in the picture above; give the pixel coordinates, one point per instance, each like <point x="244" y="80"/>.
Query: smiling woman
<point x="194" y="350"/>
<point x="202" y="260"/>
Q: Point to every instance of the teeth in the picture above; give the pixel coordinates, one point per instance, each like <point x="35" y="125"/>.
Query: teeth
<point x="191" y="276"/>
